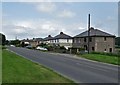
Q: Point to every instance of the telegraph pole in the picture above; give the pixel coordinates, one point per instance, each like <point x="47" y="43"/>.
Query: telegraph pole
<point x="88" y="33"/>
<point x="15" y="37"/>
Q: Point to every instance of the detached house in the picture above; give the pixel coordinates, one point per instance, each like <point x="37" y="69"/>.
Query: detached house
<point x="48" y="40"/>
<point x="99" y="41"/>
<point x="63" y="40"/>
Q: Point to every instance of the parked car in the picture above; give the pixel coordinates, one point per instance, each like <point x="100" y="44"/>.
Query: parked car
<point x="41" y="48"/>
<point x="29" y="46"/>
<point x="12" y="45"/>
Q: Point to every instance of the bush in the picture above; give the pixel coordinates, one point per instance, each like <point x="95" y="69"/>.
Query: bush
<point x="50" y="48"/>
<point x="62" y="48"/>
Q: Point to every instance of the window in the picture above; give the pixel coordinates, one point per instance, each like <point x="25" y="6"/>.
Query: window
<point x="57" y="40"/>
<point x="90" y="39"/>
<point x="85" y="39"/>
<point x="79" y="40"/>
<point x="75" y="41"/>
<point x="93" y="48"/>
<point x="110" y="50"/>
<point x="104" y="38"/>
<point x="67" y="40"/>
<point x="105" y="50"/>
<point x="85" y="46"/>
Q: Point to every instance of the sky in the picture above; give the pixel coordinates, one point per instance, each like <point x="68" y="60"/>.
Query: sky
<point x="40" y="19"/>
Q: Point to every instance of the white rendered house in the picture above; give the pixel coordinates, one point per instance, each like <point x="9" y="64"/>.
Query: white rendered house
<point x="63" y="40"/>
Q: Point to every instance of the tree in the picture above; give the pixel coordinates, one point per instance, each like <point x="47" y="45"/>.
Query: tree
<point x="23" y="44"/>
<point x="15" y="42"/>
<point x="2" y="39"/>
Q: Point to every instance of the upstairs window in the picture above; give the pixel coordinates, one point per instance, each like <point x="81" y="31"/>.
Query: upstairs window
<point x="90" y="39"/>
<point x="93" y="48"/>
<point x="104" y="38"/>
<point x="79" y="40"/>
<point x="57" y="40"/>
<point x="75" y="41"/>
<point x="67" y="40"/>
<point x="85" y="39"/>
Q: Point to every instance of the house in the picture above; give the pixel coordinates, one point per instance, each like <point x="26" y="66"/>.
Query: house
<point x="63" y="40"/>
<point x="33" y="42"/>
<point x="38" y="40"/>
<point x="99" y="41"/>
<point x="48" y="40"/>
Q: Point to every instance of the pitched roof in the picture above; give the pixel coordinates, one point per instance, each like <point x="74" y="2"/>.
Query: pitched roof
<point x="27" y="40"/>
<point x="38" y="39"/>
<point x="48" y="38"/>
<point x="62" y="36"/>
<point x="94" y="32"/>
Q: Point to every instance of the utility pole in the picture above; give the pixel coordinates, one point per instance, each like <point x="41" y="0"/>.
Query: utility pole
<point x="88" y="33"/>
<point x="15" y="37"/>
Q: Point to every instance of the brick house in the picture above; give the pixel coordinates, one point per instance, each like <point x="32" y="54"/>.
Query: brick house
<point x="99" y="41"/>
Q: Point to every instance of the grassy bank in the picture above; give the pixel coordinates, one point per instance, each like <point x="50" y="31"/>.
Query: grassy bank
<point x="19" y="70"/>
<point x="0" y="64"/>
<point x="102" y="58"/>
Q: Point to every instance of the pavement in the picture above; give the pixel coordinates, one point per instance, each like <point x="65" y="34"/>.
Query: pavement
<point x="77" y="69"/>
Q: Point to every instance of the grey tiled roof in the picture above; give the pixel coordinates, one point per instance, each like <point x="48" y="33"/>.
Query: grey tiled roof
<point x="27" y="40"/>
<point x="94" y="32"/>
<point x="38" y="39"/>
<point x="62" y="36"/>
<point x="48" y="38"/>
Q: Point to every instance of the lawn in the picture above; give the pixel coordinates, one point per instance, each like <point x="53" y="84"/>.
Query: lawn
<point x="102" y="58"/>
<point x="17" y="69"/>
<point x="0" y="64"/>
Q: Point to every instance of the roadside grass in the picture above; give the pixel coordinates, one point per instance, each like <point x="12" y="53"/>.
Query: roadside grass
<point x="0" y="64"/>
<point x="16" y="69"/>
<point x="102" y="58"/>
<point x="97" y="56"/>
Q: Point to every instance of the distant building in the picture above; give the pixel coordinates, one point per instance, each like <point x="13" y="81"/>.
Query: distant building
<point x="99" y="41"/>
<point x="63" y="40"/>
<point x="48" y="40"/>
<point x="33" y="42"/>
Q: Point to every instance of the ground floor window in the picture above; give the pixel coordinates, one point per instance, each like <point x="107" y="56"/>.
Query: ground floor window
<point x="93" y="49"/>
<point x="85" y="46"/>
<point x="110" y="49"/>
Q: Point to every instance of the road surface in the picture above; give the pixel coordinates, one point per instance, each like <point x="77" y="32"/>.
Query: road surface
<point x="79" y="70"/>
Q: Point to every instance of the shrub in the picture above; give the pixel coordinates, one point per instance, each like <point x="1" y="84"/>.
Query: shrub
<point x="62" y="47"/>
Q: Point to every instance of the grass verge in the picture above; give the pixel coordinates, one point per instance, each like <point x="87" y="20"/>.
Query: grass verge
<point x="16" y="69"/>
<point x="102" y="58"/>
<point x="0" y="64"/>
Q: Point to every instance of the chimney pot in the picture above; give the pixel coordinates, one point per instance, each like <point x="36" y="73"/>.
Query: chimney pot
<point x="49" y="35"/>
<point x="61" y="32"/>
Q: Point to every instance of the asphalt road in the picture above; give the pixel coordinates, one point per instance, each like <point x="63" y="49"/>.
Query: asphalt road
<point x="79" y="70"/>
